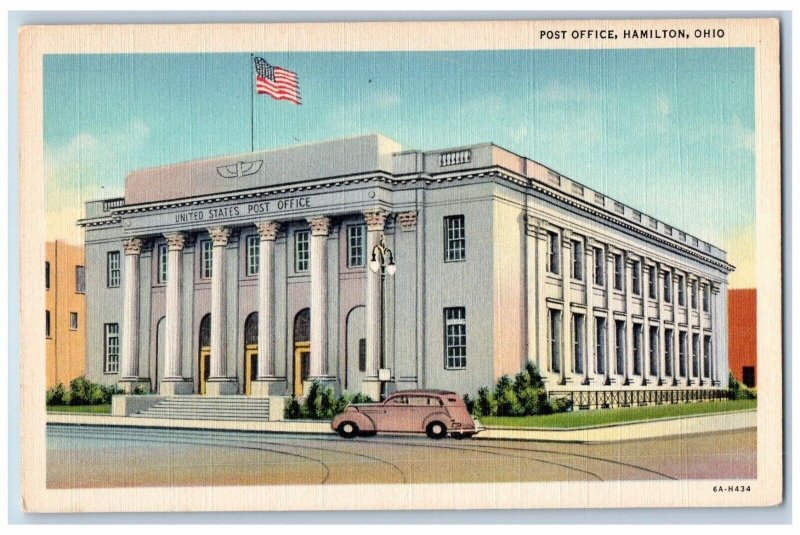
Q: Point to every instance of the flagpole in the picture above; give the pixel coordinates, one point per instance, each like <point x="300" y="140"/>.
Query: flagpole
<point x="252" y="97"/>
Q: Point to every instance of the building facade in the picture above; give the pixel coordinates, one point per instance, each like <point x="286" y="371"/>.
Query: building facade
<point x="252" y="275"/>
<point x="65" y="312"/>
<point x="742" y="344"/>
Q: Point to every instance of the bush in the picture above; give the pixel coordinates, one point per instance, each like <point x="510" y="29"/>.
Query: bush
<point x="321" y="404"/>
<point x="560" y="405"/>
<point x="57" y="395"/>
<point x="737" y="390"/>
<point x="486" y="404"/>
<point x="85" y="392"/>
<point x="524" y="396"/>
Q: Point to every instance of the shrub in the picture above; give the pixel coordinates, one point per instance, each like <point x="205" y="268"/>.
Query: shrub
<point x="737" y="390"/>
<point x="321" y="403"/>
<point x="85" y="392"/>
<point x="469" y="403"/>
<point x="559" y="405"/>
<point x="507" y="401"/>
<point x="57" y="395"/>
<point x="486" y="404"/>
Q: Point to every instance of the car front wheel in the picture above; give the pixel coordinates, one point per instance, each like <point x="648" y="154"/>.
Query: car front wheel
<point x="347" y="429"/>
<point x="436" y="430"/>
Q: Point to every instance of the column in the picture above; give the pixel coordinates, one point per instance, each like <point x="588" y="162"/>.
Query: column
<point x="609" y="259"/>
<point x="531" y="289"/>
<point x="662" y="312"/>
<point x="218" y="381"/>
<point x="318" y="366"/>
<point x="567" y="357"/>
<point x="588" y="279"/>
<point x="675" y="304"/>
<point x="266" y="383"/>
<point x="130" y="316"/>
<point x="700" y="345"/>
<point x="629" y="265"/>
<point x="716" y="380"/>
<point x="690" y="281"/>
<point x="376" y="219"/>
<point x="542" y="312"/>
<point x="173" y="382"/>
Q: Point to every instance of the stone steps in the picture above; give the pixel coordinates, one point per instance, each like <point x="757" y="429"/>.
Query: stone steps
<point x="233" y="408"/>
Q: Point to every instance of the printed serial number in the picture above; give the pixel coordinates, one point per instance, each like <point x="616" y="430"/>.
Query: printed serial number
<point x="731" y="488"/>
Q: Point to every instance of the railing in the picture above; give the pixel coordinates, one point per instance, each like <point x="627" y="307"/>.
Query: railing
<point x="455" y="158"/>
<point x="113" y="203"/>
<point x="604" y="399"/>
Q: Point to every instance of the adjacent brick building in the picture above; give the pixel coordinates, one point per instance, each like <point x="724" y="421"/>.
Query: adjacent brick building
<point x="65" y="312"/>
<point x="742" y="351"/>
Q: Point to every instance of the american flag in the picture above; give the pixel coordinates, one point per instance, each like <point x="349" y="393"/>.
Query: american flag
<point x="276" y="82"/>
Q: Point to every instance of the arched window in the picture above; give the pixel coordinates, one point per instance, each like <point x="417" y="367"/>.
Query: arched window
<point x="251" y="329"/>
<point x="302" y="326"/>
<point x="205" y="331"/>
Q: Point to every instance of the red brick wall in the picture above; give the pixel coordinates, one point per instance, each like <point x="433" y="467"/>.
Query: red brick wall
<point x="741" y="330"/>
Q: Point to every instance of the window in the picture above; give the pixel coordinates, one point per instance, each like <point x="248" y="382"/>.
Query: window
<point x="362" y="354"/>
<point x="454" y="239"/>
<point x="637" y="349"/>
<point x="455" y="335"/>
<point x="163" y="256"/>
<point x="651" y="282"/>
<point x="636" y="277"/>
<point x="706" y="297"/>
<point x="301" y="252"/>
<point x="47" y="275"/>
<point x="355" y="246"/>
<point x="253" y="246"/>
<point x="578" y="340"/>
<point x="113" y="270"/>
<point x="553" y="253"/>
<point x="600" y="344"/>
<point x="73" y="321"/>
<point x="206" y="259"/>
<point x="749" y="376"/>
<point x="47" y="324"/>
<point x="599" y="263"/>
<point x="695" y="355"/>
<point x="577" y="260"/>
<point x="707" y="356"/>
<point x="619" y="328"/>
<point x="693" y="290"/>
<point x="80" y="279"/>
<point x="653" y="350"/>
<point x="682" y="354"/>
<point x="554" y="339"/>
<point x="668" y="352"/>
<point x="681" y="290"/>
<point x="667" y="287"/>
<point x="619" y="272"/>
<point x="111" y="349"/>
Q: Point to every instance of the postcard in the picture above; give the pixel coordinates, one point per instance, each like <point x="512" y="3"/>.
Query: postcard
<point x="425" y="265"/>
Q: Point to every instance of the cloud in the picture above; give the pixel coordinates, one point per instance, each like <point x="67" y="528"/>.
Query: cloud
<point x="86" y="167"/>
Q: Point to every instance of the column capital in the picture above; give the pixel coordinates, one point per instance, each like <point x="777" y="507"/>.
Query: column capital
<point x="714" y="288"/>
<point x="566" y="237"/>
<point x="219" y="235"/>
<point x="592" y="243"/>
<point x="132" y="246"/>
<point x="320" y="225"/>
<point x="533" y="224"/>
<point x="376" y="218"/>
<point x="407" y="220"/>
<point x="268" y="230"/>
<point x="175" y="241"/>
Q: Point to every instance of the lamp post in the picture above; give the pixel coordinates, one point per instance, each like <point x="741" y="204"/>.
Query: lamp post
<point x="382" y="261"/>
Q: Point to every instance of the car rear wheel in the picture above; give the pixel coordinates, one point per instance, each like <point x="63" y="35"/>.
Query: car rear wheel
<point x="347" y="429"/>
<point x="436" y="430"/>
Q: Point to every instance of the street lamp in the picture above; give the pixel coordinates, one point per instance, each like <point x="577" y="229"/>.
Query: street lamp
<point x="382" y="262"/>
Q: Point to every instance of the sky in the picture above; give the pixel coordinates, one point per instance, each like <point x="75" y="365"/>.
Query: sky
<point x="669" y="132"/>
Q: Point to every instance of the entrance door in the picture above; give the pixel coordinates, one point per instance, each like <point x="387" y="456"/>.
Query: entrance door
<point x="250" y="367"/>
<point x="302" y="354"/>
<point x="205" y="368"/>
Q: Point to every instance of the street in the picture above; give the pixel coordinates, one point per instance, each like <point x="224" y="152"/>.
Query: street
<point x="98" y="456"/>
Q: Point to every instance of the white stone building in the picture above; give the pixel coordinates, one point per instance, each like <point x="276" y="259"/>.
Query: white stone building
<point x="249" y="274"/>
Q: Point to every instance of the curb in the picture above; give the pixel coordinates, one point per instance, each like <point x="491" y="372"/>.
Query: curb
<point x="641" y="429"/>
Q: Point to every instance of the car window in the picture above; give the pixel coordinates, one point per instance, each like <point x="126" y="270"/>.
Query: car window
<point x="424" y="401"/>
<point x="399" y="400"/>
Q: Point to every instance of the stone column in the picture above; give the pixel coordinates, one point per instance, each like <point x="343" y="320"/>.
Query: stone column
<point x="610" y="275"/>
<point x="689" y="355"/>
<point x="675" y="304"/>
<point x="376" y="219"/>
<point x="629" y="265"/>
<point x="266" y="382"/>
<point x="541" y="302"/>
<point x="622" y="375"/>
<point x="701" y="381"/>
<point x="716" y="380"/>
<point x="662" y="312"/>
<point x="567" y="357"/>
<point x="218" y="381"/>
<point x="591" y="335"/>
<point x="318" y="365"/>
<point x="129" y="362"/>
<point x="173" y="382"/>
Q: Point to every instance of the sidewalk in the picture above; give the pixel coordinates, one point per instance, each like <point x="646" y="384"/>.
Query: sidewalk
<point x="664" y="427"/>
